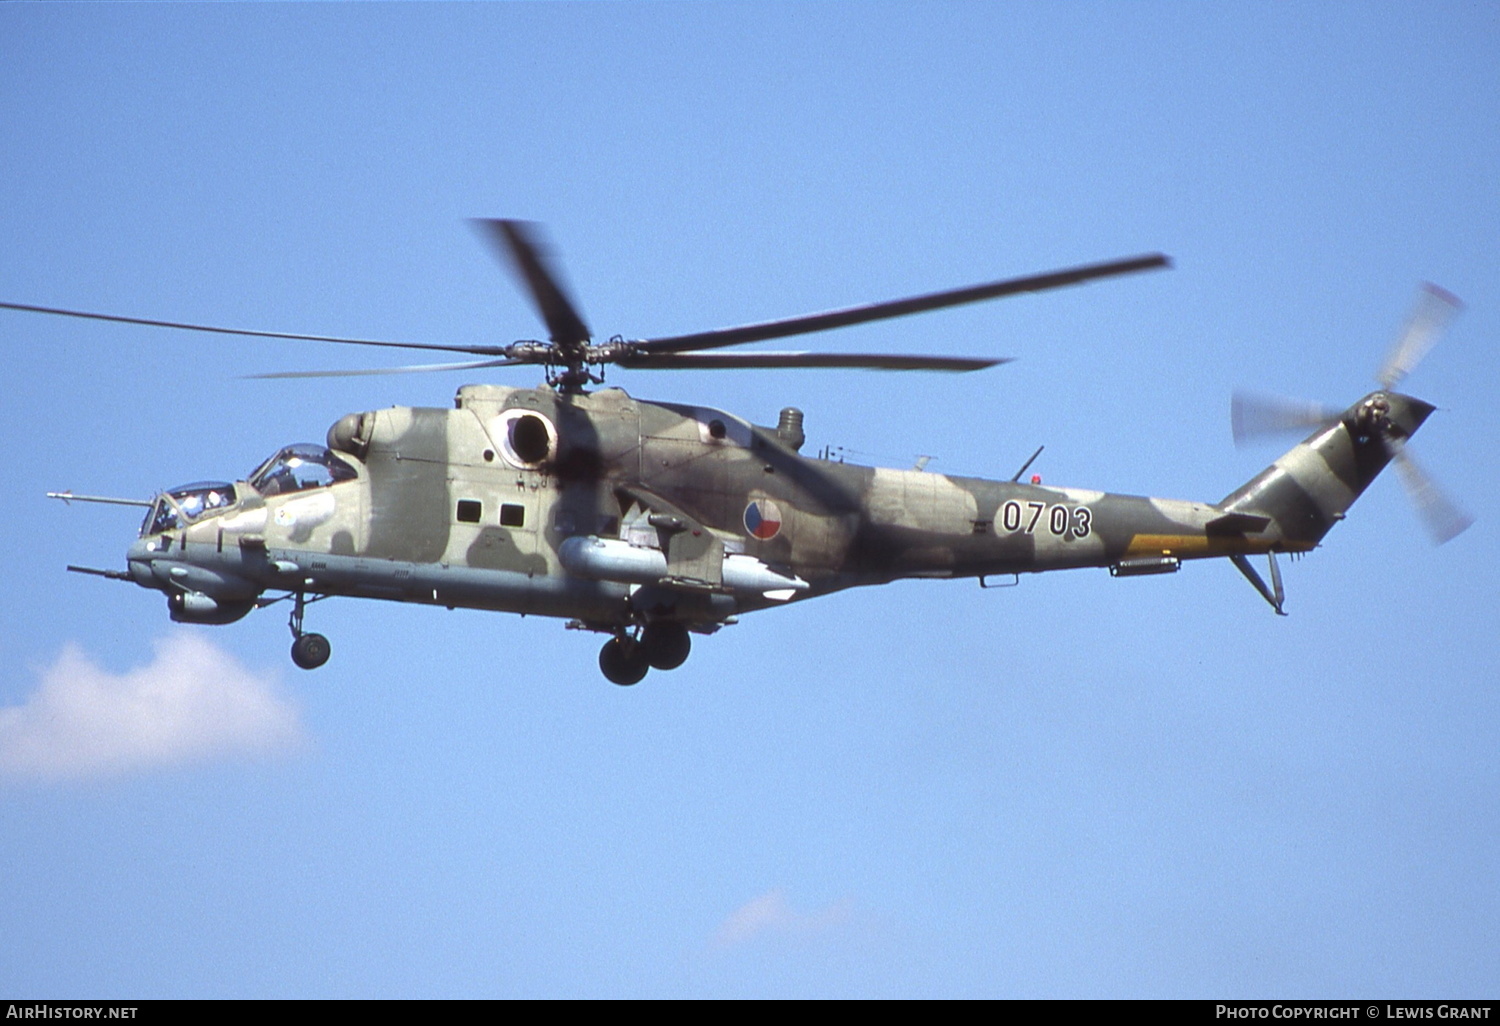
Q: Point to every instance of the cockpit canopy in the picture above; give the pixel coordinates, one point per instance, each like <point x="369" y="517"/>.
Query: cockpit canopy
<point x="186" y="504"/>
<point x="298" y="468"/>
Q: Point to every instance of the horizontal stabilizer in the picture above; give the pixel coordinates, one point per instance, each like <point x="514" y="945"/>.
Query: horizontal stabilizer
<point x="1238" y="523"/>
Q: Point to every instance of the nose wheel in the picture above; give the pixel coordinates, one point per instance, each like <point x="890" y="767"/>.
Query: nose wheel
<point x="309" y="651"/>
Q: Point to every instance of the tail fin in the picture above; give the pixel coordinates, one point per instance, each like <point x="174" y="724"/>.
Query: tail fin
<point x="1312" y="486"/>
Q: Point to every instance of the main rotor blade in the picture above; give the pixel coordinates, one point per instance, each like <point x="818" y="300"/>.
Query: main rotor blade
<point x="219" y="330"/>
<point x="371" y="371"/>
<point x="1252" y="415"/>
<point x="525" y="247"/>
<point x="1443" y="518"/>
<point x="897" y="307"/>
<point x="1435" y="308"/>
<point x="783" y="361"/>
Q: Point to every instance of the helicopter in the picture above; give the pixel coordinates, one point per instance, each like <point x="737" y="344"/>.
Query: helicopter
<point x="650" y="522"/>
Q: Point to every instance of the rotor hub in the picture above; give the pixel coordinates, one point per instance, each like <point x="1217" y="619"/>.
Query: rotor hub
<point x="1374" y="415"/>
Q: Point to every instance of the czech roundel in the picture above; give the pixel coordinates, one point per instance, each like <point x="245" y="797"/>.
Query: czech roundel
<point x="763" y="519"/>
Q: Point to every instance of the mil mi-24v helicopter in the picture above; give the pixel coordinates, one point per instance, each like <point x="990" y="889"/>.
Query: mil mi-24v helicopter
<point x="652" y="521"/>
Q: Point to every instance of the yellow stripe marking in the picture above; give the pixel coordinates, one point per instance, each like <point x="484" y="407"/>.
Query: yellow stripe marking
<point x="1194" y="545"/>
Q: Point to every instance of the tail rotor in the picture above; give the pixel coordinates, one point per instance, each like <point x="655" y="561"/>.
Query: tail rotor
<point x="1255" y="415"/>
<point x="1441" y="515"/>
<point x="1436" y="307"/>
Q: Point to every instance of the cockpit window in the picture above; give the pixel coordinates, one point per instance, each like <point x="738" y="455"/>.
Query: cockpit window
<point x="188" y="503"/>
<point x="298" y="468"/>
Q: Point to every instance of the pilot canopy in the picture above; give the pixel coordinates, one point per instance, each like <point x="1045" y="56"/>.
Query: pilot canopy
<point x="187" y="504"/>
<point x="298" y="468"/>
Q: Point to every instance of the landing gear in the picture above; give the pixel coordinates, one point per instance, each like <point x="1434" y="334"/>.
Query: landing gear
<point x="666" y="645"/>
<point x="623" y="660"/>
<point x="626" y="658"/>
<point x="309" y="651"/>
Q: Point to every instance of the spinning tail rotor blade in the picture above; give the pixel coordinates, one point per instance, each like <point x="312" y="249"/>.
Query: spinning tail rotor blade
<point x="1435" y="308"/>
<point x="1443" y="518"/>
<point x="525" y="247"/>
<point x="1252" y="416"/>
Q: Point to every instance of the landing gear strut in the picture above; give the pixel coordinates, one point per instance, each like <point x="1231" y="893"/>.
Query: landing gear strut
<point x="309" y="651"/>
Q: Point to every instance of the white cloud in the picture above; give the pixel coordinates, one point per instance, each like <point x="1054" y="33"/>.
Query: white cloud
<point x="192" y="703"/>
<point x="771" y="914"/>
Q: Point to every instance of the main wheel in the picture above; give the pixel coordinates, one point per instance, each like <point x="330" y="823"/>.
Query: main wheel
<point x="666" y="644"/>
<point x="311" y="651"/>
<point x="623" y="662"/>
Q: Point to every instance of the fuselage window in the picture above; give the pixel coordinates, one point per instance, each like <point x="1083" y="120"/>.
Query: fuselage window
<point x="512" y="515"/>
<point x="470" y="511"/>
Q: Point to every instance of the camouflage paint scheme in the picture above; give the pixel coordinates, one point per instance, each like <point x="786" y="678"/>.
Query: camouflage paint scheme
<point x="472" y="506"/>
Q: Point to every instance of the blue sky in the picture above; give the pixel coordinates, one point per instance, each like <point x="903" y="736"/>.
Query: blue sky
<point x="1081" y="786"/>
